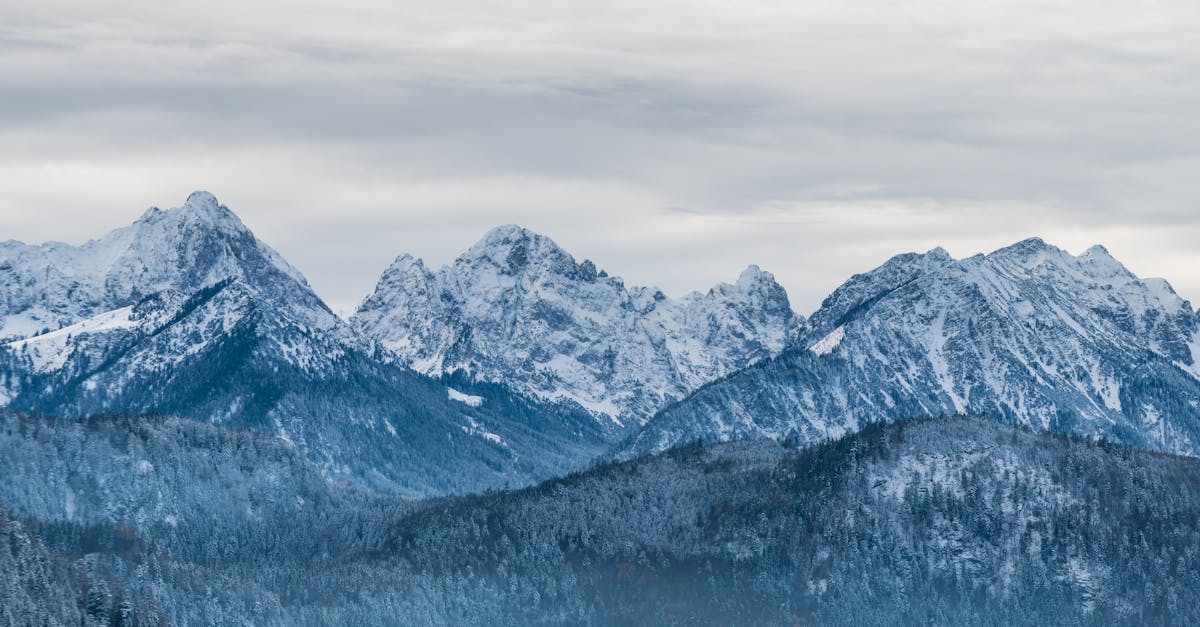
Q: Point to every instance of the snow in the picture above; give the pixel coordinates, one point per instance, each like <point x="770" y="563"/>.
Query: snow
<point x="116" y="319"/>
<point x="466" y="399"/>
<point x="1029" y="332"/>
<point x="1193" y="346"/>
<point x="1154" y="421"/>
<point x="936" y="342"/>
<point x="1108" y="388"/>
<point x="50" y="351"/>
<point x="282" y="433"/>
<point x="51" y="285"/>
<point x="474" y="428"/>
<point x="825" y="345"/>
<point x="1164" y="295"/>
<point x="516" y="308"/>
<point x="921" y="472"/>
<point x="27" y="323"/>
<point x="1087" y="579"/>
<point x="69" y="506"/>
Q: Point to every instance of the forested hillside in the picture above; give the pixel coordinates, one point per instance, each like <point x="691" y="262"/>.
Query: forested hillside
<point x="951" y="521"/>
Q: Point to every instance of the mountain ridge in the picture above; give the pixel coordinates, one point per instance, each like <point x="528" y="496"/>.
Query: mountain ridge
<point x="186" y="312"/>
<point x="1062" y="342"/>
<point x="516" y="307"/>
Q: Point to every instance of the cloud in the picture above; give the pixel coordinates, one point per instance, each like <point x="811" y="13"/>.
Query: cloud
<point x="671" y="142"/>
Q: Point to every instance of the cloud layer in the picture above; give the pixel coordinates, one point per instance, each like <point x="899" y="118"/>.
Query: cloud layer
<point x="672" y="142"/>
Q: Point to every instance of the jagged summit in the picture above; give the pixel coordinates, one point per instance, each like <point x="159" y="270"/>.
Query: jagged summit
<point x="185" y="312"/>
<point x="507" y="238"/>
<point x="515" y="250"/>
<point x="507" y="234"/>
<point x="1027" y="245"/>
<point x="938" y="253"/>
<point x="860" y="289"/>
<point x="200" y="243"/>
<point x="1096" y="250"/>
<point x="201" y="208"/>
<point x="1028" y="333"/>
<point x="517" y="308"/>
<point x="1034" y="251"/>
<point x="202" y="200"/>
<point x="754" y="277"/>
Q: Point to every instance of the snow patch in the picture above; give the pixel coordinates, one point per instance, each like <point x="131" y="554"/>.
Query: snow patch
<point x="1194" y="351"/>
<point x="825" y="345"/>
<point x="1154" y="422"/>
<point x="937" y="360"/>
<point x="477" y="429"/>
<point x="26" y="323"/>
<point x="467" y="399"/>
<point x="50" y="351"/>
<point x="282" y="433"/>
<point x="1161" y="290"/>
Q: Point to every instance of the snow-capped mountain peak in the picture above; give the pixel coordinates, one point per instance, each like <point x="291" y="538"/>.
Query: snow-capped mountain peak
<point x="185" y="312"/>
<point x="514" y="251"/>
<point x="757" y="286"/>
<point x="517" y="308"/>
<point x="200" y="243"/>
<point x="204" y="200"/>
<point x="754" y="275"/>
<point x="860" y="290"/>
<point x="1029" y="332"/>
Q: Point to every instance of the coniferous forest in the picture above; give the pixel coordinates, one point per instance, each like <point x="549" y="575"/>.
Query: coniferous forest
<point x="949" y="521"/>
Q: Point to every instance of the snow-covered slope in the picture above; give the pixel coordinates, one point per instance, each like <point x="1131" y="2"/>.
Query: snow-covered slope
<point x="147" y="297"/>
<point x="517" y="308"/>
<point x="50" y="286"/>
<point x="1030" y="332"/>
<point x="187" y="313"/>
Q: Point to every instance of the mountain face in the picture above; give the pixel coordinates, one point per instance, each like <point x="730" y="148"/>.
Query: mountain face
<point x="942" y="521"/>
<point x="187" y="313"/>
<point x="516" y="308"/>
<point x="1029" y="333"/>
<point x="51" y="286"/>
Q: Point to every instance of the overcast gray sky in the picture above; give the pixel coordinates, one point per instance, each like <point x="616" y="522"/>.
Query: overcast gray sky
<point x="672" y="142"/>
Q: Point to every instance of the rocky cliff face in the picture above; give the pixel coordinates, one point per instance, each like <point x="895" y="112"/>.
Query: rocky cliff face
<point x="185" y="312"/>
<point x="49" y="286"/>
<point x="517" y="308"/>
<point x="1029" y="333"/>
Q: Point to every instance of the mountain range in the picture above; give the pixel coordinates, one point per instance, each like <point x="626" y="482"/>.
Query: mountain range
<point x="516" y="362"/>
<point x="1029" y="333"/>
<point x="192" y="436"/>
<point x="513" y="365"/>
<point x="186" y="313"/>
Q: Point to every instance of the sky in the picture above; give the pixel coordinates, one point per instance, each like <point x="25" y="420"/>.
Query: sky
<point x="671" y="142"/>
